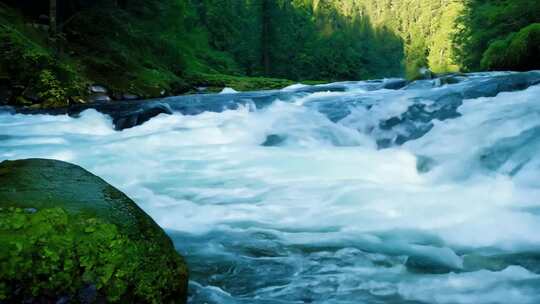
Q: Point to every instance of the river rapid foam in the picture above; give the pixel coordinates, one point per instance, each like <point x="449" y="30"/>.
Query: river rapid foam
<point x="356" y="192"/>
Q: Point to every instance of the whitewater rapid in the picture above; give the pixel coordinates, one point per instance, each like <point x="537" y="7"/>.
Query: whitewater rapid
<point x="358" y="195"/>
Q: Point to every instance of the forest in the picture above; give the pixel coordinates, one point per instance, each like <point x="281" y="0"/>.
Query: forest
<point x="270" y="151"/>
<point x="52" y="51"/>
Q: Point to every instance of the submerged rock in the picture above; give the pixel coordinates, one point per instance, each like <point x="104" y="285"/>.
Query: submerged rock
<point x="98" y="89"/>
<point x="138" y="117"/>
<point x="394" y="84"/>
<point x="98" y="94"/>
<point x="273" y="140"/>
<point x="434" y="99"/>
<point x="128" y="96"/>
<point x="98" y="97"/>
<point x="430" y="264"/>
<point x="441" y="98"/>
<point x="67" y="235"/>
<point x="498" y="262"/>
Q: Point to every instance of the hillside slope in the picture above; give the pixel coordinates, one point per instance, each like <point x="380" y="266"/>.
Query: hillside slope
<point x="149" y="48"/>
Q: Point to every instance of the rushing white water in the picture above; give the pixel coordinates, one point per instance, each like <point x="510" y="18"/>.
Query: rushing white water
<point x="285" y="204"/>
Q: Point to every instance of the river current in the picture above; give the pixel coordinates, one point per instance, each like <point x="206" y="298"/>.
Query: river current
<point x="354" y="192"/>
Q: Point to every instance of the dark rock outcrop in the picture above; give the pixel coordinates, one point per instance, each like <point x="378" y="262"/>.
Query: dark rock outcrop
<point x="140" y="116"/>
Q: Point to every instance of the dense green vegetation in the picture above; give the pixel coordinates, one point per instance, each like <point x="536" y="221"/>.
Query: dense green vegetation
<point x="335" y="40"/>
<point x="518" y="51"/>
<point x="486" y="26"/>
<point x="148" y="47"/>
<point x="49" y="253"/>
<point x="31" y="66"/>
<point x="302" y="39"/>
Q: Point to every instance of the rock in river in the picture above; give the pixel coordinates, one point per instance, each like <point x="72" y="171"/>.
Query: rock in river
<point x="68" y="236"/>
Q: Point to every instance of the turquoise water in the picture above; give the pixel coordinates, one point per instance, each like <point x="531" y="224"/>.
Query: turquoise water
<point x="321" y="195"/>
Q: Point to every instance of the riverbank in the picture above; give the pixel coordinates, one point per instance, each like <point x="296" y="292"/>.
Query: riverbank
<point x="139" y="50"/>
<point x="84" y="64"/>
<point x="13" y="94"/>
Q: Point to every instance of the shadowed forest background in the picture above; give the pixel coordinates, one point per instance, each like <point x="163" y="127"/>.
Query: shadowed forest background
<point x="55" y="49"/>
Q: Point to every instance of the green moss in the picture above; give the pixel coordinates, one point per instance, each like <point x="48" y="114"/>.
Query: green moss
<point x="49" y="86"/>
<point x="97" y="230"/>
<point x="28" y="61"/>
<point x="216" y="82"/>
<point x="495" y="55"/>
<point x="49" y="253"/>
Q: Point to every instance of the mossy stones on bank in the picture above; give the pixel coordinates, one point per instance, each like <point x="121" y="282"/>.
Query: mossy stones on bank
<point x="67" y="235"/>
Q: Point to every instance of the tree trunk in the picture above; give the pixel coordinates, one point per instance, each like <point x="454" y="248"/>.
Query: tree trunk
<point x="53" y="24"/>
<point x="53" y="15"/>
<point x="121" y="4"/>
<point x="265" y="36"/>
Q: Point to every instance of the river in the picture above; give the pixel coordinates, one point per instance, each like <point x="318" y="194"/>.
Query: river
<point x="353" y="192"/>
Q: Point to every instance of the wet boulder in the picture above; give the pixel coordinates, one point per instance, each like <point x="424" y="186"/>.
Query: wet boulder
<point x="97" y="89"/>
<point x="482" y="87"/>
<point x="128" y="96"/>
<point x="98" y="97"/>
<point x="98" y="94"/>
<point x="394" y="84"/>
<point x="67" y="236"/>
<point x="274" y="140"/>
<point x="140" y="116"/>
<point x="431" y="264"/>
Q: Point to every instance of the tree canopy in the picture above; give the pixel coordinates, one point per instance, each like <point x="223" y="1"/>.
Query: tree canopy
<point x="148" y="46"/>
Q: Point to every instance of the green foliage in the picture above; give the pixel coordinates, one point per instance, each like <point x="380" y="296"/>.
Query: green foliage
<point x="519" y="51"/>
<point x="442" y="50"/>
<point x="49" y="87"/>
<point x="147" y="47"/>
<point x="334" y="40"/>
<point x="215" y="82"/>
<point x="355" y="39"/>
<point x="485" y="24"/>
<point x="49" y="253"/>
<point x="123" y="55"/>
<point x="426" y="28"/>
<point x="31" y="64"/>
<point x="304" y="39"/>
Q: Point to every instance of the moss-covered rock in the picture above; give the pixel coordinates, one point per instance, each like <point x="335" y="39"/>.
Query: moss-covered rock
<point x="66" y="234"/>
